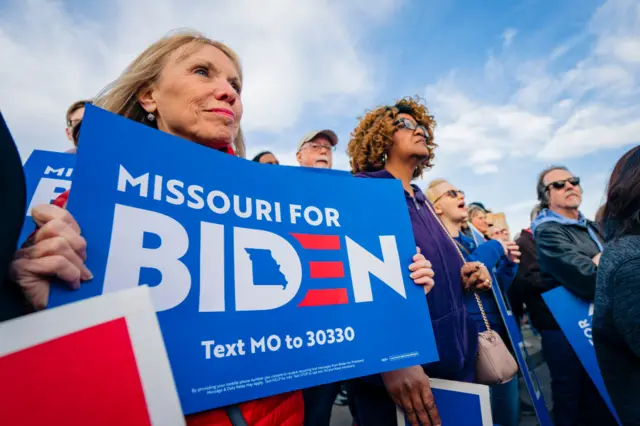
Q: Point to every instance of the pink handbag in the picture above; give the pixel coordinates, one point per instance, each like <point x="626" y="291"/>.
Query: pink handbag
<point x="494" y="363"/>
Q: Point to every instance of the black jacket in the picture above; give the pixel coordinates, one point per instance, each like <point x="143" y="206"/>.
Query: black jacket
<point x="525" y="285"/>
<point x="565" y="253"/>
<point x="12" y="211"/>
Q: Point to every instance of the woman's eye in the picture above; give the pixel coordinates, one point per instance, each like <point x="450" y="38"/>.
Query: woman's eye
<point x="236" y="87"/>
<point x="202" y="71"/>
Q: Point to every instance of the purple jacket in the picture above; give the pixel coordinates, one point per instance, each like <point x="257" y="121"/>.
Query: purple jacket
<point x="456" y="333"/>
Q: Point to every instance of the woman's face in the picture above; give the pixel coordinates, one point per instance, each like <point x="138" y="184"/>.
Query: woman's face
<point x="269" y="158"/>
<point x="480" y="222"/>
<point x="197" y="96"/>
<point x="407" y="143"/>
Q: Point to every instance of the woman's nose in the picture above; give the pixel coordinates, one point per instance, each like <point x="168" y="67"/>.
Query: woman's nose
<point x="225" y="92"/>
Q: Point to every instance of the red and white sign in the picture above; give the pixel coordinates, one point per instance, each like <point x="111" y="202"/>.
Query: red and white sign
<point x="98" y="362"/>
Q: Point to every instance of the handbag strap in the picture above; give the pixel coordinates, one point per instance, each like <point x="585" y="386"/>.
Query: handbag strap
<point x="235" y="415"/>
<point x="464" y="261"/>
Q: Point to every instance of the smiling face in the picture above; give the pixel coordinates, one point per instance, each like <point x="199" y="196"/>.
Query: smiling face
<point x="318" y="153"/>
<point x="562" y="194"/>
<point x="450" y="203"/>
<point x="197" y="96"/>
<point x="409" y="142"/>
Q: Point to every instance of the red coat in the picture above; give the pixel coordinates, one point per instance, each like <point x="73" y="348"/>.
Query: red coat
<point x="286" y="409"/>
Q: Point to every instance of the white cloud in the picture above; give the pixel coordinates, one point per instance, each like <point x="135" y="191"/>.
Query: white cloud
<point x="294" y="54"/>
<point x="554" y="113"/>
<point x="507" y="37"/>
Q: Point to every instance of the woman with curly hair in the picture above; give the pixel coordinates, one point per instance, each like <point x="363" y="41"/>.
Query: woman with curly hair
<point x="397" y="142"/>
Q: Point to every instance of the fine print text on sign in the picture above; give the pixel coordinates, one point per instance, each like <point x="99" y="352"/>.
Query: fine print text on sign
<point x="575" y="318"/>
<point x="266" y="279"/>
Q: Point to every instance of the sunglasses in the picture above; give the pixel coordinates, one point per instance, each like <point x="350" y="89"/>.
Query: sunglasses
<point x="452" y="193"/>
<point x="410" y="125"/>
<point x="559" y="184"/>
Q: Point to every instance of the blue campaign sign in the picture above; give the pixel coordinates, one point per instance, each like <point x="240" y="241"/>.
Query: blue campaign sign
<point x="265" y="279"/>
<point x="47" y="174"/>
<point x="574" y="316"/>
<point x="522" y="356"/>
<point x="459" y="404"/>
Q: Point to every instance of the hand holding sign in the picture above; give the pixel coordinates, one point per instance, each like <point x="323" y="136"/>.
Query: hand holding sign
<point x="421" y="272"/>
<point x="57" y="250"/>
<point x="410" y="389"/>
<point x="512" y="250"/>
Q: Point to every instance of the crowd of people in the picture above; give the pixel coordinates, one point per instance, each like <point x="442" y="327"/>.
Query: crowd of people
<point x="190" y="86"/>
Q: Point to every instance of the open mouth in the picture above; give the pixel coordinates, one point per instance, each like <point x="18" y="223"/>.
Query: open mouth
<point x="461" y="205"/>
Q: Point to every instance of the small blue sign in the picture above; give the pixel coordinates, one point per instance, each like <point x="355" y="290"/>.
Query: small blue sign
<point x="265" y="279"/>
<point x="47" y="174"/>
<point x="458" y="403"/>
<point x="522" y="356"/>
<point x="575" y="318"/>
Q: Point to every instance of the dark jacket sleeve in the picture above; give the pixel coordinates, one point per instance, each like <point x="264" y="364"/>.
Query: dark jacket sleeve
<point x="626" y="303"/>
<point x="528" y="276"/>
<point x="559" y="258"/>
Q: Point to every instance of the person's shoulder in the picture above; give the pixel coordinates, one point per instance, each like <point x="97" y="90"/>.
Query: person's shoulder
<point x="621" y="251"/>
<point x="548" y="228"/>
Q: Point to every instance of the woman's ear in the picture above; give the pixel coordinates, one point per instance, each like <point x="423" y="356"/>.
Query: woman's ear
<point x="145" y="98"/>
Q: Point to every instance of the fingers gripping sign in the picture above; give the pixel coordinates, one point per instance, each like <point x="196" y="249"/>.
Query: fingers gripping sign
<point x="410" y="389"/>
<point x="56" y="250"/>
<point x="422" y="271"/>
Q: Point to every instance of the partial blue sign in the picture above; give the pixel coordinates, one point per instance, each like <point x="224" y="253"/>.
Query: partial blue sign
<point x="265" y="279"/>
<point x="459" y="404"/>
<point x="575" y="318"/>
<point x="522" y="356"/>
<point x="47" y="174"/>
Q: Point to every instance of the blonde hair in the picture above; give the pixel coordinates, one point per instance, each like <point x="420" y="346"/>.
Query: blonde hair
<point x="120" y="96"/>
<point x="431" y="196"/>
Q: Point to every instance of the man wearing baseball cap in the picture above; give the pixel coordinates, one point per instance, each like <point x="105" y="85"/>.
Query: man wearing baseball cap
<point x="316" y="149"/>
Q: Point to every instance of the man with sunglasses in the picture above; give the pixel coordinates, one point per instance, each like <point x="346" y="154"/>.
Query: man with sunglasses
<point x="568" y="249"/>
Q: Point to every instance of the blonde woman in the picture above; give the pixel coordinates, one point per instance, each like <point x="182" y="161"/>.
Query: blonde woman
<point x="188" y="86"/>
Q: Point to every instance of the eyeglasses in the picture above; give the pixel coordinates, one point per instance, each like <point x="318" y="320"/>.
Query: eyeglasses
<point x="452" y="193"/>
<point x="315" y="146"/>
<point x="559" y="184"/>
<point x="410" y="125"/>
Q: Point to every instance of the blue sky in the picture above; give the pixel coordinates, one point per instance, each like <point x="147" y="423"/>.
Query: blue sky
<point x="514" y="85"/>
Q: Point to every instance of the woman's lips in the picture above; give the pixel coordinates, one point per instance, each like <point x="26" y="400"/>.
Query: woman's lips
<point x="223" y="111"/>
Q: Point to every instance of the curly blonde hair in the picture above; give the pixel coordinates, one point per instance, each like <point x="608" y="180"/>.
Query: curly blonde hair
<point x="373" y="136"/>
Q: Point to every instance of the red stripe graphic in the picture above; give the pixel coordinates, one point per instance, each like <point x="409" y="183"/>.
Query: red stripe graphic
<point x="329" y="296"/>
<point x="326" y="269"/>
<point x="318" y="242"/>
